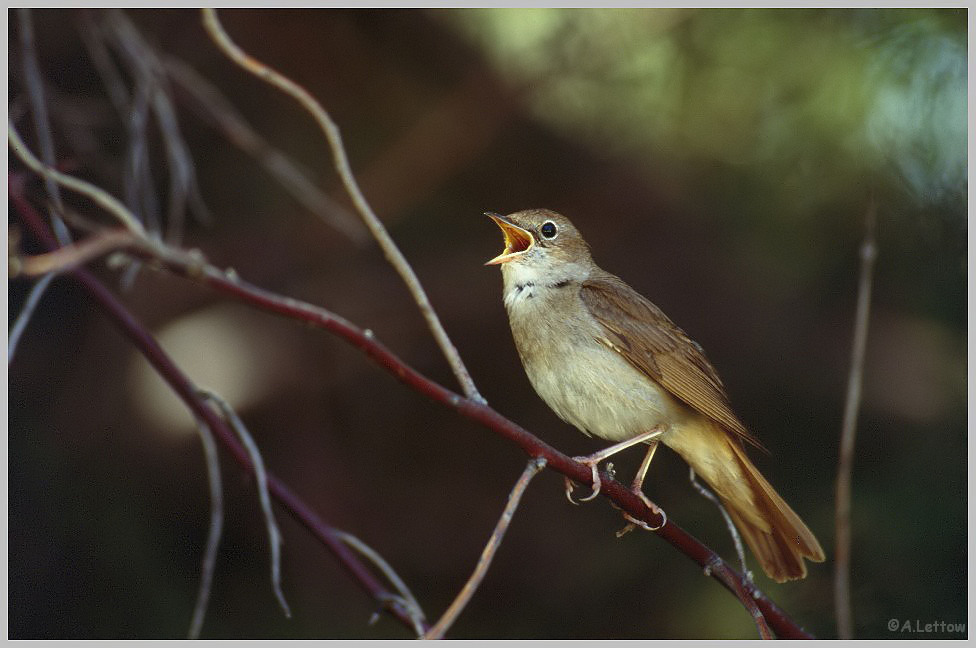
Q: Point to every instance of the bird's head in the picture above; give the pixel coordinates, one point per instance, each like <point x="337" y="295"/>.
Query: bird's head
<point x="540" y="241"/>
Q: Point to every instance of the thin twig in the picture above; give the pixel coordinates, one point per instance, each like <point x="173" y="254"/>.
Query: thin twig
<point x="194" y="267"/>
<point x="221" y="113"/>
<point x="341" y="161"/>
<point x="92" y="35"/>
<point x="187" y="391"/>
<point x="138" y="184"/>
<point x="42" y="125"/>
<point x="138" y="187"/>
<point x="739" y="586"/>
<point x="406" y="597"/>
<point x="710" y="496"/>
<point x="30" y="305"/>
<point x="70" y="256"/>
<point x="97" y="194"/>
<point x="494" y="542"/>
<point x="209" y="563"/>
<point x="150" y="75"/>
<point x="845" y="462"/>
<point x="741" y="593"/>
<point x="261" y="477"/>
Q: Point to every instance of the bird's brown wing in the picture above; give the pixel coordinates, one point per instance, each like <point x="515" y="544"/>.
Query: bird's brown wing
<point x="640" y="332"/>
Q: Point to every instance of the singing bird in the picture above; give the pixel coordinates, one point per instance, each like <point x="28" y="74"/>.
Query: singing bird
<point x="611" y="363"/>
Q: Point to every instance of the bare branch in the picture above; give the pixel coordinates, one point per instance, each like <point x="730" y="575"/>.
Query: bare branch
<point x="188" y="392"/>
<point x="209" y="562"/>
<point x="194" y="267"/>
<point x="42" y="125"/>
<point x="70" y="256"/>
<point x="138" y="187"/>
<point x="260" y="475"/>
<point x="740" y="586"/>
<point x="223" y="115"/>
<point x="99" y="195"/>
<point x="23" y="318"/>
<point x="150" y="77"/>
<point x="852" y="404"/>
<point x="457" y="606"/>
<point x="94" y="40"/>
<point x="757" y="615"/>
<point x="736" y="539"/>
<point x="406" y="597"/>
<point x="341" y="161"/>
<point x="620" y="495"/>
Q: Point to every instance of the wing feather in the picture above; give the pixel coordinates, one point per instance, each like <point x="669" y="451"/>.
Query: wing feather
<point x="640" y="332"/>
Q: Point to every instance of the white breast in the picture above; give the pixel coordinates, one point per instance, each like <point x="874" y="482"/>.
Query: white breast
<point x="585" y="382"/>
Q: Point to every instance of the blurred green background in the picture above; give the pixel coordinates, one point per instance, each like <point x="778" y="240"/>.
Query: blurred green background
<point x="720" y="161"/>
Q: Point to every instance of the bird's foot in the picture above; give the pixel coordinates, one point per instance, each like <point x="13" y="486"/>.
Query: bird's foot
<point x="633" y="522"/>
<point x="596" y="482"/>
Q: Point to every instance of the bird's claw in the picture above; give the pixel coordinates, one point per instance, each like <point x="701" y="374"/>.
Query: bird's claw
<point x="634" y="522"/>
<point x="596" y="483"/>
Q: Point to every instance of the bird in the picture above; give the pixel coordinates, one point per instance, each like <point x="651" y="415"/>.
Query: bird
<point x="608" y="361"/>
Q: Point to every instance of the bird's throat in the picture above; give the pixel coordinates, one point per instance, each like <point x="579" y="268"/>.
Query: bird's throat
<point x="537" y="283"/>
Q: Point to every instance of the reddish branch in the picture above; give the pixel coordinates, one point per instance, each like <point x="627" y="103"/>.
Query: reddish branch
<point x="756" y="602"/>
<point x="750" y="596"/>
<point x="187" y="391"/>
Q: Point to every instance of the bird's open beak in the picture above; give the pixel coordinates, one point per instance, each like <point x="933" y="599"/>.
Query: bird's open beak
<point x="517" y="240"/>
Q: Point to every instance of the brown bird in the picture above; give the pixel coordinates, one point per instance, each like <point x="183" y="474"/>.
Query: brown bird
<point x="611" y="363"/>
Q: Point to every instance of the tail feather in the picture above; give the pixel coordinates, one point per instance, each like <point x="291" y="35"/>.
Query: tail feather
<point x="775" y="534"/>
<point x="780" y="550"/>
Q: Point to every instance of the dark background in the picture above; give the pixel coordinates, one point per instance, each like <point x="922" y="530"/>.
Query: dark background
<point x="720" y="161"/>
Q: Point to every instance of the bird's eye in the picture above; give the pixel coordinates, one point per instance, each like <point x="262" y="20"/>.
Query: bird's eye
<point x="548" y="230"/>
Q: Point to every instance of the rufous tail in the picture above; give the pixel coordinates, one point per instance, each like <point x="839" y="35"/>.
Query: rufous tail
<point x="776" y="535"/>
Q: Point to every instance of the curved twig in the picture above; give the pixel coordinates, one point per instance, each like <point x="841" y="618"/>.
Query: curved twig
<point x="101" y="197"/>
<point x="331" y="131"/>
<point x="736" y="539"/>
<point x="70" y="256"/>
<point x="42" y="125"/>
<point x="217" y="110"/>
<point x="736" y="584"/>
<point x="471" y="586"/>
<point x="406" y="597"/>
<point x="209" y="562"/>
<point x="261" y="477"/>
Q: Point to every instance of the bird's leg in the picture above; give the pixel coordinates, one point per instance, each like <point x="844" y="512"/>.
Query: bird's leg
<point x="636" y="489"/>
<point x="595" y="458"/>
<point x="642" y="471"/>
